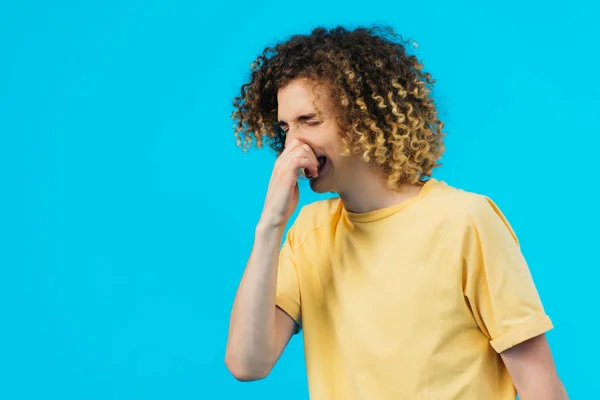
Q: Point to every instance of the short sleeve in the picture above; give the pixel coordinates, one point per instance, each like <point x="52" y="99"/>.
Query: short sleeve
<point x="288" y="283"/>
<point x="496" y="279"/>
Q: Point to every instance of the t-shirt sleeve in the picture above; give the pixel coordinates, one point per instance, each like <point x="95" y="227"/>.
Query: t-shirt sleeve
<point x="288" y="283"/>
<point x="496" y="280"/>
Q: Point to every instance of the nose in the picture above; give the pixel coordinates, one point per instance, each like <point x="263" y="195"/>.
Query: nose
<point x="290" y="135"/>
<point x="296" y="132"/>
<point x="288" y="140"/>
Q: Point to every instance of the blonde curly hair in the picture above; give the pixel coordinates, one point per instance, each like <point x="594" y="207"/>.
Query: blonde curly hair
<point x="383" y="95"/>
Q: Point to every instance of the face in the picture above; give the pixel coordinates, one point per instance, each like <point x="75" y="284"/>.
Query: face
<point x="306" y="112"/>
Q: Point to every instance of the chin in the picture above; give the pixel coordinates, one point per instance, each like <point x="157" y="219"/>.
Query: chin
<point x="319" y="186"/>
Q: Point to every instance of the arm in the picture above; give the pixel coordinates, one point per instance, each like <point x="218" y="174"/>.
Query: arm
<point x="258" y="330"/>
<point x="505" y="302"/>
<point x="532" y="370"/>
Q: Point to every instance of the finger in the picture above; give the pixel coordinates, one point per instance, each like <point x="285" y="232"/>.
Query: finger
<point x="293" y="144"/>
<point x="302" y="161"/>
<point x="297" y="148"/>
<point x="307" y="151"/>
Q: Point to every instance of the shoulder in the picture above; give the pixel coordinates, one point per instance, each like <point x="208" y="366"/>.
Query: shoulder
<point x="467" y="210"/>
<point x="461" y="204"/>
<point x="312" y="217"/>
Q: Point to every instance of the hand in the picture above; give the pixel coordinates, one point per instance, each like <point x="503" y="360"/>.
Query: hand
<point x="283" y="193"/>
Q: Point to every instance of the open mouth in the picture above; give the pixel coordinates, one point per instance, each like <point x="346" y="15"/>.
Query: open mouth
<point x="322" y="160"/>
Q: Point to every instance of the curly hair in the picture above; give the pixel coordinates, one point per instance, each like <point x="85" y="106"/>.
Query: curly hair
<point x="382" y="94"/>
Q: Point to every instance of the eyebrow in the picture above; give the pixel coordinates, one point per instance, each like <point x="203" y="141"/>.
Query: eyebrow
<point x="300" y="118"/>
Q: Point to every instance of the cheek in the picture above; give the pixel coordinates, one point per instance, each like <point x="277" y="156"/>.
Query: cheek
<point x="333" y="140"/>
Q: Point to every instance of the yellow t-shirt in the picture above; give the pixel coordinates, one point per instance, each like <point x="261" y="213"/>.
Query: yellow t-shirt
<point x="413" y="301"/>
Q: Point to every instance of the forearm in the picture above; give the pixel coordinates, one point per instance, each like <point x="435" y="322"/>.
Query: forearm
<point x="532" y="370"/>
<point x="251" y="343"/>
<point x="544" y="391"/>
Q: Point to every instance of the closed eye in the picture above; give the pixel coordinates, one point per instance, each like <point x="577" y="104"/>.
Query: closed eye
<point x="284" y="127"/>
<point x="304" y="119"/>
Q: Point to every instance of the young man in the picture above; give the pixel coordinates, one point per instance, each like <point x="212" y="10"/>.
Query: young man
<point x="405" y="287"/>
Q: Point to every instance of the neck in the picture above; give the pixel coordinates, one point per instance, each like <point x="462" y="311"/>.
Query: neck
<point x="368" y="192"/>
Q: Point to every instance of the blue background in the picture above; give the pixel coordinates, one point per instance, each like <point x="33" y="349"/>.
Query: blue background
<point x="127" y="212"/>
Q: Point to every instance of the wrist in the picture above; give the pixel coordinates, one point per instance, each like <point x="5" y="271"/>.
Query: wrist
<point x="269" y="227"/>
<point x="270" y="222"/>
<point x="268" y="236"/>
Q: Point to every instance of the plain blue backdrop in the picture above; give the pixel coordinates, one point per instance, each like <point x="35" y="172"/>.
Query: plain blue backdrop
<point x="127" y="213"/>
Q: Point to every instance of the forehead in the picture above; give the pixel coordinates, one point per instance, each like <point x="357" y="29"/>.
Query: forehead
<point x="302" y="96"/>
